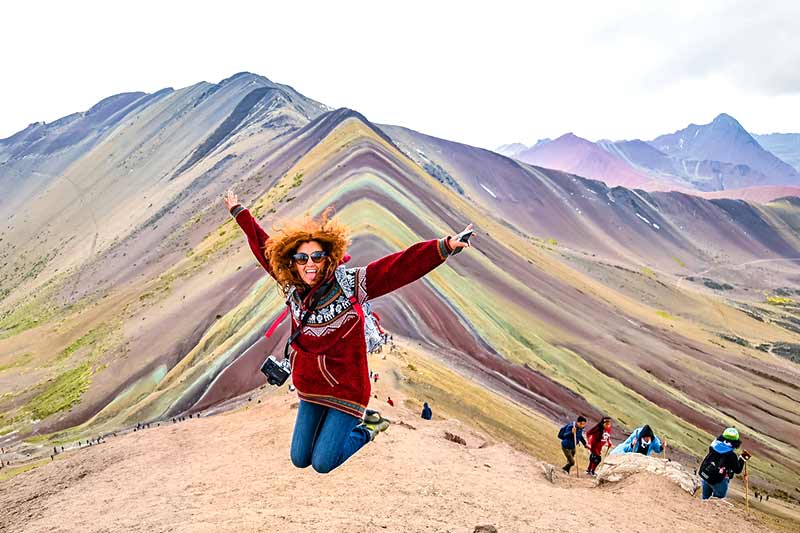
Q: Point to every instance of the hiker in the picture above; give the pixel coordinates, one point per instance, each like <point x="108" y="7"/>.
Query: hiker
<point x="427" y="414"/>
<point x="598" y="437"/>
<point x="375" y="377"/>
<point x="328" y="305"/>
<point x="390" y="402"/>
<point x="569" y="435"/>
<point x="721" y="464"/>
<point x="642" y="440"/>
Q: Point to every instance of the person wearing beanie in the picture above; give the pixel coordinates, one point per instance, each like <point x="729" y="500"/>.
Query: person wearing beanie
<point x="642" y="440"/>
<point x="721" y="464"/>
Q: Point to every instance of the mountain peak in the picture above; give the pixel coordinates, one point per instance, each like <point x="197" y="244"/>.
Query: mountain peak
<point x="724" y="119"/>
<point x="245" y="75"/>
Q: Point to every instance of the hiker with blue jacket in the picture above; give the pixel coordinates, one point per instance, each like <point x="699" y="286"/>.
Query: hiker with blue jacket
<point x="427" y="414"/>
<point x="571" y="434"/>
<point x="642" y="440"/>
<point x="721" y="464"/>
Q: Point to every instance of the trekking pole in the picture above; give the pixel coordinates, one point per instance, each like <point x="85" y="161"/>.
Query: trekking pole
<point x="746" y="489"/>
<point x="575" y="440"/>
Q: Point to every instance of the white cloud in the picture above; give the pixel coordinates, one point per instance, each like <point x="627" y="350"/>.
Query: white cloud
<point x="484" y="74"/>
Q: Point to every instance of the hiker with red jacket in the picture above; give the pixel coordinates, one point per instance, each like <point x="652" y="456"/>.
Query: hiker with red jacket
<point x="598" y="437"/>
<point x="329" y="363"/>
<point x="721" y="464"/>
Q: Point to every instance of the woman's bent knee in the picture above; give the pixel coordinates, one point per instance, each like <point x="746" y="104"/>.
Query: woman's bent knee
<point x="301" y="460"/>
<point x="323" y="465"/>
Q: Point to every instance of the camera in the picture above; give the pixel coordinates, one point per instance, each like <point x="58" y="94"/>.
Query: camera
<point x="277" y="372"/>
<point x="463" y="237"/>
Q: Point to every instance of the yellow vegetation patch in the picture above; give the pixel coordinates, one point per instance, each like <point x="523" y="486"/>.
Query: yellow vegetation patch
<point x="779" y="300"/>
<point x="62" y="393"/>
<point x="648" y="272"/>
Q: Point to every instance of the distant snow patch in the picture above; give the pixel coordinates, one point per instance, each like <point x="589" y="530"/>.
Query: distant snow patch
<point x="656" y="226"/>
<point x="487" y="189"/>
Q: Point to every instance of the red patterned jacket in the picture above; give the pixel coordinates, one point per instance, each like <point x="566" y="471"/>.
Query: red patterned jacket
<point x="329" y="366"/>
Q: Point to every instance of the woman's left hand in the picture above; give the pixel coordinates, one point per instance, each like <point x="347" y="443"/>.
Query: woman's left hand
<point x="454" y="243"/>
<point x="230" y="199"/>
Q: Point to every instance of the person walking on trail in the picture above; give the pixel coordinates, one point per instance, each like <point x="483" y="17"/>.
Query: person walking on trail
<point x="326" y="302"/>
<point x="642" y="440"/>
<point x="598" y="437"/>
<point x="569" y="435"/>
<point x="390" y="401"/>
<point x="721" y="464"/>
<point x="427" y="414"/>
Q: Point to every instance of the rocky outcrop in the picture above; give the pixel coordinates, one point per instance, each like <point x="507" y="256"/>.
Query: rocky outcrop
<point x="621" y="466"/>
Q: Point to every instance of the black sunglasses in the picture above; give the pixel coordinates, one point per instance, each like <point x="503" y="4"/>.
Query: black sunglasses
<point x="302" y="258"/>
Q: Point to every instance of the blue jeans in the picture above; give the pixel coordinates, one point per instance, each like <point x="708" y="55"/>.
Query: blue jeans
<point x="718" y="490"/>
<point x="324" y="438"/>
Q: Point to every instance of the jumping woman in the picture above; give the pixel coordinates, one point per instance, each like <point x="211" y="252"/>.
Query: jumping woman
<point x="329" y="363"/>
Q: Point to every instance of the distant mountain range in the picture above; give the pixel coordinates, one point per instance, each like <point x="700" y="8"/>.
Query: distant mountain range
<point x="784" y="145"/>
<point x="714" y="157"/>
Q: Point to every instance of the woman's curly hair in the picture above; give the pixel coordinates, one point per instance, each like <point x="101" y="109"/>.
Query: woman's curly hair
<point x="332" y="235"/>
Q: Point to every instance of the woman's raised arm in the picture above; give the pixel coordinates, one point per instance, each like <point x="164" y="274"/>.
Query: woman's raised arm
<point x="256" y="236"/>
<point x="389" y="273"/>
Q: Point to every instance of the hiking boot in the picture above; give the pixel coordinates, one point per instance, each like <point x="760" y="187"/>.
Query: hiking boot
<point x="372" y="417"/>
<point x="375" y="428"/>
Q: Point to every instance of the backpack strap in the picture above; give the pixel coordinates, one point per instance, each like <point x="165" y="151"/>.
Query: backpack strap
<point x="282" y="316"/>
<point x="277" y="322"/>
<point x="357" y="308"/>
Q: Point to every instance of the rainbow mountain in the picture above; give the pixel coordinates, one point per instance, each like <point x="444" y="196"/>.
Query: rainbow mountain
<point x="129" y="294"/>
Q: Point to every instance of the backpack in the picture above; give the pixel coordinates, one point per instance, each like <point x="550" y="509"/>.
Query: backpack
<point x="563" y="433"/>
<point x="372" y="332"/>
<point x="712" y="469"/>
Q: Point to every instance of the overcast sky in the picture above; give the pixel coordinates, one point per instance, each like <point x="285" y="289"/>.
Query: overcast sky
<point x="483" y="73"/>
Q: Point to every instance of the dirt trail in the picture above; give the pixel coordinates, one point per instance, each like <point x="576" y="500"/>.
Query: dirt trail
<point x="231" y="472"/>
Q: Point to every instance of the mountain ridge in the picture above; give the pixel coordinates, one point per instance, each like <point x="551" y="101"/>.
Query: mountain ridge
<point x="717" y="156"/>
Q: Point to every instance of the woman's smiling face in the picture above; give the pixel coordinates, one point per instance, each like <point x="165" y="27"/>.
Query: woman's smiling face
<point x="310" y="272"/>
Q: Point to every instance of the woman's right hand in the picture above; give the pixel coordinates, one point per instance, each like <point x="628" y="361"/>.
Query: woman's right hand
<point x="230" y="199"/>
